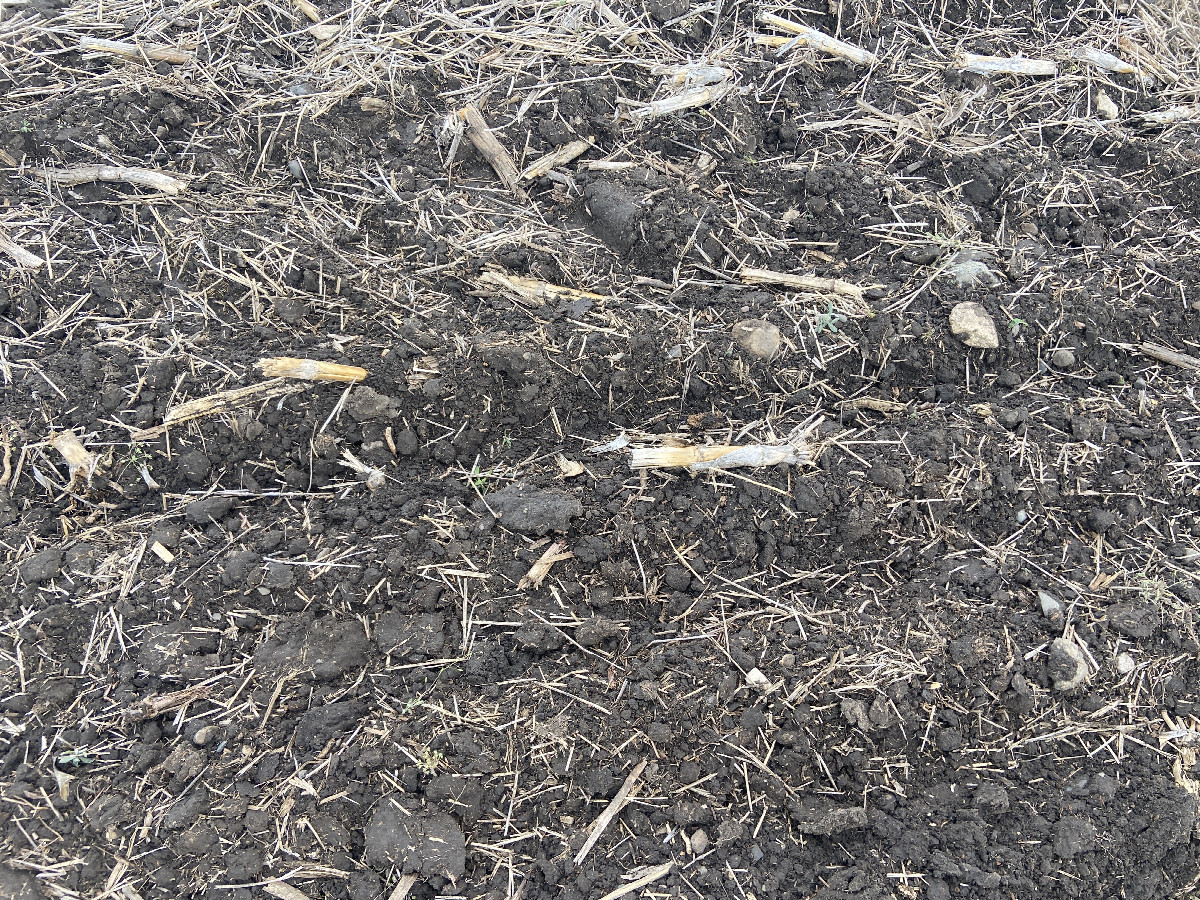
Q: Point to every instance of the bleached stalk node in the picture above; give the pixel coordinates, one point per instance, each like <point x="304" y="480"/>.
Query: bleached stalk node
<point x="309" y="370"/>
<point x="817" y="40"/>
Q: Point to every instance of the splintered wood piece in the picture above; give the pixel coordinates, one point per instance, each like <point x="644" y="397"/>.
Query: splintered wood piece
<point x="801" y="282"/>
<point x="151" y="52"/>
<point x="534" y="291"/>
<point x="718" y="456"/>
<point x="308" y="9"/>
<point x="556" y="158"/>
<point x="403" y="886"/>
<point x="156" y="704"/>
<point x="217" y="403"/>
<point x="309" y="369"/>
<point x="537" y="573"/>
<point x="610" y="812"/>
<point x="491" y="149"/>
<point x="78" y="458"/>
<point x="168" y="184"/>
<point x="1169" y="356"/>
<point x="651" y="876"/>
<point x="818" y="40"/>
<point x="19" y="254"/>
<point x="285" y="891"/>
<point x="1005" y="65"/>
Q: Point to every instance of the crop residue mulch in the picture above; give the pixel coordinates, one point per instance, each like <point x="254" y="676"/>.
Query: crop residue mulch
<point x="432" y="634"/>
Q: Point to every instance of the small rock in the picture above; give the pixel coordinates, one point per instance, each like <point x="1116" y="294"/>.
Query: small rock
<point x="194" y="465"/>
<point x="42" y="566"/>
<point x="1134" y="618"/>
<point x="420" y="842"/>
<point x="820" y="817"/>
<point x="1062" y="358"/>
<point x="205" y="735"/>
<point x="1067" y="665"/>
<point x="699" y="841"/>
<point x="208" y="510"/>
<point x="788" y="660"/>
<point x="531" y="510"/>
<point x="756" y="679"/>
<point x="407" y="443"/>
<point x="758" y="337"/>
<point x="1125" y="663"/>
<point x="972" y="325"/>
<point x="1052" y="607"/>
<point x="366" y="404"/>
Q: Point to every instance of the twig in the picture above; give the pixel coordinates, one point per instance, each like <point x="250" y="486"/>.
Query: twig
<point x="556" y="552"/>
<point x="610" y="813"/>
<point x="403" y="886"/>
<point x="309" y="370"/>
<point x="818" y="40"/>
<point x="1005" y="65"/>
<point x="1169" y="356"/>
<point x="491" y="149"/>
<point x="801" y="282"/>
<point x="168" y="184"/>
<point x="150" y="52"/>
<point x="217" y="403"/>
<point x="649" y="878"/>
<point x="19" y="254"/>
<point x="556" y="158"/>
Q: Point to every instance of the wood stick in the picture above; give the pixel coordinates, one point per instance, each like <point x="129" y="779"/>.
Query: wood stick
<point x="818" y="40"/>
<point x="556" y="158"/>
<point x="1005" y="65"/>
<point x="1169" y="356"/>
<point x="610" y="813"/>
<point x="403" y="886"/>
<point x="309" y="369"/>
<point x="491" y="149"/>
<point x="19" y="254"/>
<point x="152" y="52"/>
<point x="168" y="184"/>
<point x="217" y="403"/>
<point x="308" y="9"/>
<point x="801" y="282"/>
<point x="649" y="878"/>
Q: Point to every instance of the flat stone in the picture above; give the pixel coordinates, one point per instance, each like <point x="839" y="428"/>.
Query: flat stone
<point x="758" y="337"/>
<point x="971" y="324"/>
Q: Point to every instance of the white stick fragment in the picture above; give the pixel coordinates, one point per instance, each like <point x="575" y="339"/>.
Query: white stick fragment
<point x="610" y="812"/>
<point x="375" y="478"/>
<point x="537" y="573"/>
<point x="556" y="158"/>
<point x="491" y="149"/>
<point x="151" y="52"/>
<point x="818" y="40"/>
<point x="19" y="254"/>
<point x="701" y="85"/>
<point x="168" y="184"/>
<point x="718" y="456"/>
<point x="801" y="282"/>
<point x="78" y="458"/>
<point x="536" y="291"/>
<point x="308" y="9"/>
<point x="309" y="370"/>
<point x="1172" y="115"/>
<point x="651" y="876"/>
<point x="1106" y="61"/>
<point x="1005" y="65"/>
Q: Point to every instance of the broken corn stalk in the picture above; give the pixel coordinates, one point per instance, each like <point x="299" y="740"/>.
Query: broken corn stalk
<point x="534" y="291"/>
<point x="818" y="40"/>
<point x="79" y="458"/>
<point x="556" y="158"/>
<point x="213" y="404"/>
<point x="168" y="184"/>
<point x="309" y="370"/>
<point x="801" y="282"/>
<point x="1005" y="65"/>
<point x="537" y="573"/>
<point x="718" y="456"/>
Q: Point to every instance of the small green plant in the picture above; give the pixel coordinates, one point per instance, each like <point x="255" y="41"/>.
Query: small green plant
<point x="26" y="126"/>
<point x="74" y="758"/>
<point x="1015" y="325"/>
<point x="429" y="761"/>
<point x="479" y="479"/>
<point x="829" y="320"/>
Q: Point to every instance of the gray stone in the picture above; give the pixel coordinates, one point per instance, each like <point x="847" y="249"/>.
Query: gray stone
<point x="42" y="566"/>
<point x="758" y="337"/>
<point x="971" y="324"/>
<point x="531" y="510"/>
<point x="1062" y="358"/>
<point x="422" y="842"/>
<point x="1067" y="665"/>
<point x="699" y="841"/>
<point x="208" y="510"/>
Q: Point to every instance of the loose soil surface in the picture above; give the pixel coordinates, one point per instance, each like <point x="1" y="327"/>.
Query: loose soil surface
<point x="953" y="653"/>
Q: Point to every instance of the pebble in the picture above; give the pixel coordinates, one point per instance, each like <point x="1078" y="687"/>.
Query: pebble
<point x="1052" y="607"/>
<point x="699" y="841"/>
<point x="788" y="660"/>
<point x="205" y="735"/>
<point x="758" y="337"/>
<point x="972" y="325"/>
<point x="1063" y="358"/>
<point x="1067" y="665"/>
<point x="1125" y="663"/>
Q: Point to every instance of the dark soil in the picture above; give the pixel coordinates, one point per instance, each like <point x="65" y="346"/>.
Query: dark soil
<point x="953" y="656"/>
